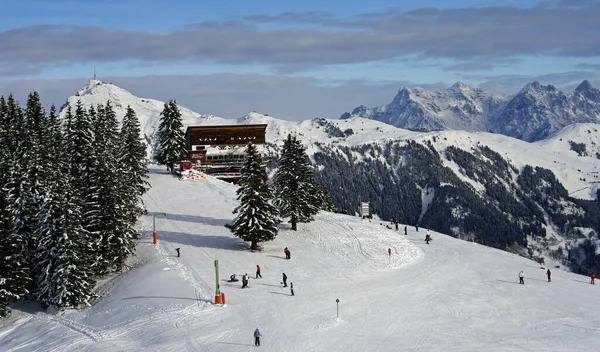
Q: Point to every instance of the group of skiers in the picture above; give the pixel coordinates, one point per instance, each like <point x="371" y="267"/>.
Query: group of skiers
<point x="245" y="277"/>
<point x="548" y="274"/>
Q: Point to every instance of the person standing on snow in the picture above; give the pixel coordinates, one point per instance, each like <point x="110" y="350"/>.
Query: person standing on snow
<point x="396" y="225"/>
<point x="177" y="249"/>
<point x="549" y="273"/>
<point x="389" y="252"/>
<point x="427" y="238"/>
<point x="245" y="281"/>
<point x="284" y="280"/>
<point x="288" y="254"/>
<point x="522" y="278"/>
<point x="258" y="272"/>
<point x="593" y="277"/>
<point x="542" y="263"/>
<point x="257" y="337"/>
<point x="292" y="287"/>
<point x="405" y="230"/>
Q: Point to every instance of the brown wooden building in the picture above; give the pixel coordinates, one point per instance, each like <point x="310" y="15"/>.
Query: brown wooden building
<point x="222" y="145"/>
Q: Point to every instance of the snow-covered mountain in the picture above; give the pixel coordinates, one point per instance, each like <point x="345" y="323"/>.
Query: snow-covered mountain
<point x="376" y="159"/>
<point x="532" y="114"/>
<point x="147" y="110"/>
<point x="450" y="295"/>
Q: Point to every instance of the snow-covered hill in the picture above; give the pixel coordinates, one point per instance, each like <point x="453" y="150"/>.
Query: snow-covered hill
<point x="450" y="295"/>
<point x="532" y="114"/>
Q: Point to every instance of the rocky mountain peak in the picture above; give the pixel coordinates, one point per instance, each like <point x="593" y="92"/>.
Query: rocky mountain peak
<point x="585" y="86"/>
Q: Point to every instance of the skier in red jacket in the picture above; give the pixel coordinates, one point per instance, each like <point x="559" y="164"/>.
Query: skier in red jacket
<point x="549" y="273"/>
<point x="593" y="277"/>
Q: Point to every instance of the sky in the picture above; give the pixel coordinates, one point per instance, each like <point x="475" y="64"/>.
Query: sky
<point x="193" y="50"/>
<point x="449" y="295"/>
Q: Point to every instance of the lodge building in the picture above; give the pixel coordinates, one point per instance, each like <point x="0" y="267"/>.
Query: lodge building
<point x="220" y="149"/>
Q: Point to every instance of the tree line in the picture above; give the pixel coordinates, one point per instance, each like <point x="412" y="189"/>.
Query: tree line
<point x="70" y="194"/>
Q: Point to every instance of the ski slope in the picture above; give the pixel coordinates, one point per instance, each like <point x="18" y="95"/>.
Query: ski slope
<point x="449" y="295"/>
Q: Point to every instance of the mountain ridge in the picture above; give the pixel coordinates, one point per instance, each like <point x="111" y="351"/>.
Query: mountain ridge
<point x="532" y="114"/>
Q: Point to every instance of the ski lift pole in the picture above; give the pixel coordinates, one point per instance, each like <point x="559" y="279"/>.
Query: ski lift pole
<point x="218" y="299"/>
<point x="154" y="226"/>
<point x="337" y="302"/>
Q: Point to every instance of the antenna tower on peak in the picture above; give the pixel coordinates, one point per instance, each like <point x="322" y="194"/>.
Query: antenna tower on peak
<point x="94" y="71"/>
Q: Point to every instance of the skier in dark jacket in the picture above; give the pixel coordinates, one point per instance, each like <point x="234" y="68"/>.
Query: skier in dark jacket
<point x="427" y="238"/>
<point x="288" y="254"/>
<point x="257" y="337"/>
<point x="177" y="249"/>
<point x="284" y="280"/>
<point x="396" y="226"/>
<point x="405" y="230"/>
<point x="548" y="273"/>
<point x="245" y="281"/>
<point x="292" y="287"/>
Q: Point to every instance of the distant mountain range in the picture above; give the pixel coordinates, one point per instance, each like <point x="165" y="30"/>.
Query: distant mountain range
<point x="532" y="114"/>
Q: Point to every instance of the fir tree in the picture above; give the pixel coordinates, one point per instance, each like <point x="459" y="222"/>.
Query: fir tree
<point x="64" y="260"/>
<point x="257" y="218"/>
<point x="14" y="273"/>
<point x="134" y="173"/>
<point x="171" y="148"/>
<point x="115" y="230"/>
<point x="297" y="195"/>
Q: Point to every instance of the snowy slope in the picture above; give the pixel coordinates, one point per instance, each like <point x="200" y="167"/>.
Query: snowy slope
<point x="450" y="295"/>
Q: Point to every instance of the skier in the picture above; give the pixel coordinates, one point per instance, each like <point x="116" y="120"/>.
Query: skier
<point x="522" y="278"/>
<point x="245" y="281"/>
<point x="549" y="273"/>
<point x="542" y="263"/>
<point x="396" y="226"/>
<point x="288" y="254"/>
<point x="292" y="287"/>
<point x="427" y="238"/>
<point x="417" y="228"/>
<point x="257" y="337"/>
<point x="178" y="254"/>
<point x="232" y="278"/>
<point x="593" y="277"/>
<point x="405" y="231"/>
<point x="258" y="272"/>
<point x="389" y="252"/>
<point x="284" y="280"/>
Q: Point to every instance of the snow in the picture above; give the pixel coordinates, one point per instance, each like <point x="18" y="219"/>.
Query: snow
<point x="450" y="295"/>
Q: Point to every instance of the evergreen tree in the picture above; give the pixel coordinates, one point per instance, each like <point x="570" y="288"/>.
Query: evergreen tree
<point x="19" y="184"/>
<point x="64" y="255"/>
<point x="171" y="148"/>
<point x="134" y="172"/>
<point x="257" y="218"/>
<point x="14" y="273"/>
<point x="297" y="195"/>
<point x="115" y="230"/>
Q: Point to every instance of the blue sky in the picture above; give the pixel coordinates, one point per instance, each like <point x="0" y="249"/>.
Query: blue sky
<point x="360" y="47"/>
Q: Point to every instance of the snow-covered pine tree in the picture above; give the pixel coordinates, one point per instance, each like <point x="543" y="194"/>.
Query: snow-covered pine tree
<point x="64" y="264"/>
<point x="297" y="194"/>
<point x="134" y="173"/>
<point x="14" y="274"/>
<point x="83" y="171"/>
<point x="116" y="231"/>
<point x="171" y="145"/>
<point x="19" y="182"/>
<point x="257" y="218"/>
